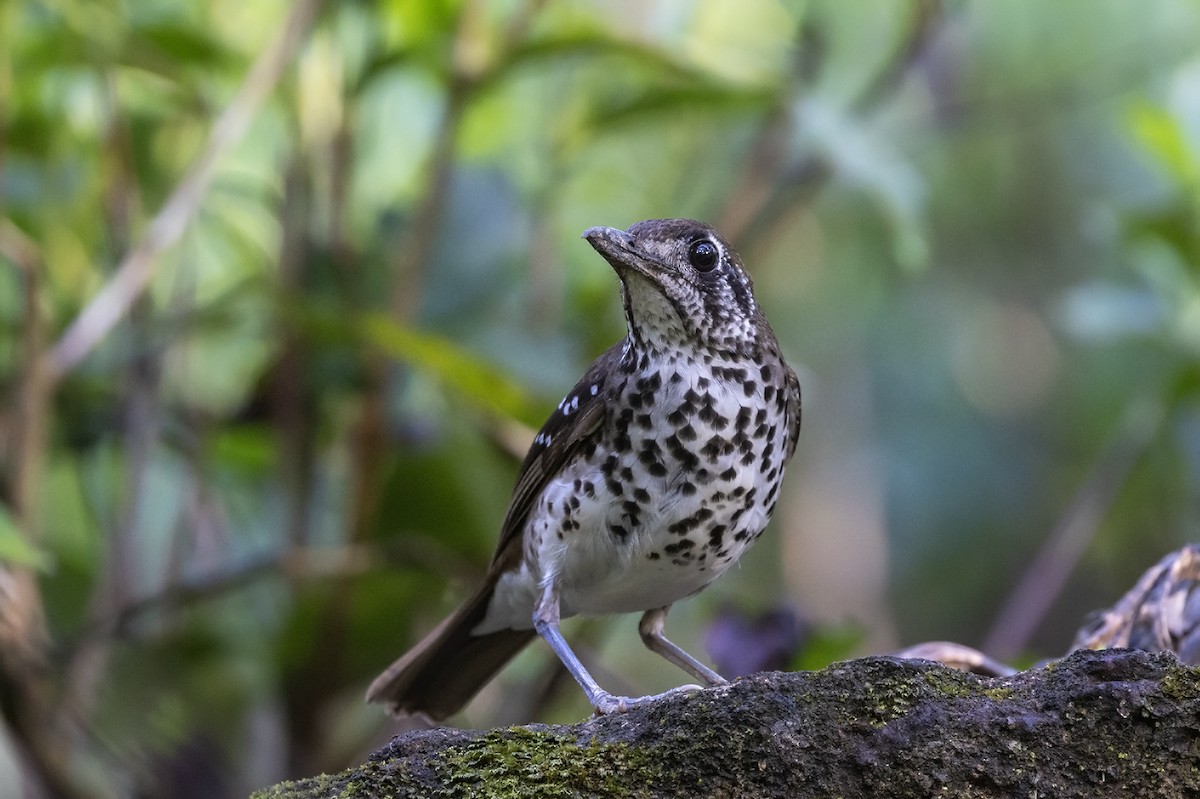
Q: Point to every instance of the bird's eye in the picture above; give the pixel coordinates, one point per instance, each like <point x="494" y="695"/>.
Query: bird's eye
<point x="703" y="255"/>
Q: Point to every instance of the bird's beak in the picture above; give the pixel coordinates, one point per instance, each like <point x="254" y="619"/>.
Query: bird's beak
<point x="617" y="247"/>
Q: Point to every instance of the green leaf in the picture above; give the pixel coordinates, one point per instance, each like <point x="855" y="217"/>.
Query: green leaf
<point x="247" y="448"/>
<point x="863" y="158"/>
<point x="175" y="44"/>
<point x="458" y="369"/>
<point x="15" y="550"/>
<point x="1164" y="138"/>
<point x="469" y="375"/>
<point x="706" y="98"/>
<point x="555" y="52"/>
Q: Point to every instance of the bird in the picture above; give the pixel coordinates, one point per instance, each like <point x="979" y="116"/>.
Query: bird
<point x="652" y="477"/>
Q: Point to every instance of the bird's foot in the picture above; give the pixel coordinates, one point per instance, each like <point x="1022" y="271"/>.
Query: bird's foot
<point x="604" y="703"/>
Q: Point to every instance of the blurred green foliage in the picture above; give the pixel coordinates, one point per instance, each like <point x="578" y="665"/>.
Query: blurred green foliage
<point x="975" y="227"/>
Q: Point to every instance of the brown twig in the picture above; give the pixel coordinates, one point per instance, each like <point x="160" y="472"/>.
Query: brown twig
<point x="29" y="429"/>
<point x="290" y="381"/>
<point x="42" y="757"/>
<point x="411" y="262"/>
<point x="769" y="186"/>
<point x="369" y="433"/>
<point x="291" y="399"/>
<point x="299" y="565"/>
<point x="139" y="425"/>
<point x="409" y="265"/>
<point x="8" y="12"/>
<point x="133" y="274"/>
<point x="23" y="637"/>
<point x="923" y="22"/>
<point x="140" y="412"/>
<point x="36" y="723"/>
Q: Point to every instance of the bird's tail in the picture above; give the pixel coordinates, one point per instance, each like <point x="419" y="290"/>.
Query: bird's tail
<point x="449" y="666"/>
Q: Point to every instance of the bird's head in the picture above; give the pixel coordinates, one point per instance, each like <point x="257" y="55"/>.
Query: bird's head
<point x="682" y="285"/>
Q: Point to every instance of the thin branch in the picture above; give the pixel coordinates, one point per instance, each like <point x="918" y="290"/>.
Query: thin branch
<point x="409" y="266"/>
<point x="133" y="274"/>
<point x="1045" y="578"/>
<point x="761" y="171"/>
<point x="42" y="756"/>
<point x="302" y="565"/>
<point x="29" y="430"/>
<point x="140" y="424"/>
<point x="8" y="14"/>
<point x="923" y="23"/>
<point x="22" y="623"/>
<point x="769" y="186"/>
<point x="291" y="383"/>
<point x="140" y="420"/>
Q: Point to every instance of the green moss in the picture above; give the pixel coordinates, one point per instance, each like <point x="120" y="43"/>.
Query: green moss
<point x="889" y="699"/>
<point x="950" y="683"/>
<point x="311" y="786"/>
<point x="1181" y="684"/>
<point x="522" y="762"/>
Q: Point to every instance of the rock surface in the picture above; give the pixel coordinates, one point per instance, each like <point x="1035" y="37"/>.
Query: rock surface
<point x="1095" y="724"/>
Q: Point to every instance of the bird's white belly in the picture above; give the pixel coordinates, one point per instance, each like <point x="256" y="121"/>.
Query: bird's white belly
<point x="616" y="533"/>
<point x="595" y="573"/>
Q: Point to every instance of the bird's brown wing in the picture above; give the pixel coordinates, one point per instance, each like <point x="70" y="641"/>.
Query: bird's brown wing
<point x="577" y="419"/>
<point x="446" y="668"/>
<point x="792" y="411"/>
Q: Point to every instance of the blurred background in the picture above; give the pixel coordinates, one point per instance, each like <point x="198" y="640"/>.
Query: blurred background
<point x="285" y="290"/>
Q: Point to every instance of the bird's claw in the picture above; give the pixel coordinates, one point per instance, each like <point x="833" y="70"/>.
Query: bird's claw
<point x="605" y="703"/>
